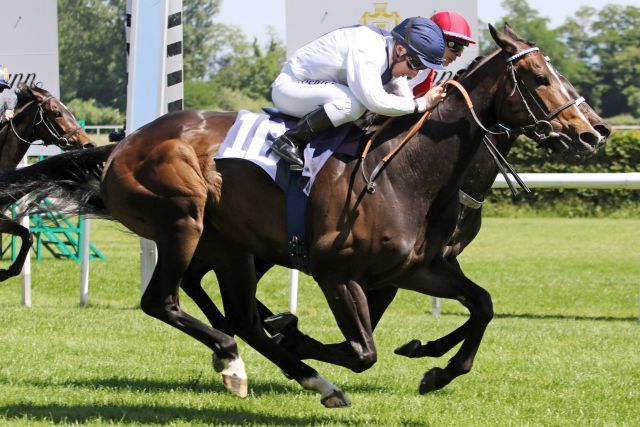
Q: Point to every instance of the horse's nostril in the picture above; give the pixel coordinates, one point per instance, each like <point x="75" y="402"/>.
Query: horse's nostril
<point x="590" y="138"/>
<point x="603" y="130"/>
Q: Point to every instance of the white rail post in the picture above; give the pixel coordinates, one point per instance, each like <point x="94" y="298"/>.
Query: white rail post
<point x="25" y="274"/>
<point x="85" y="252"/>
<point x="293" y="290"/>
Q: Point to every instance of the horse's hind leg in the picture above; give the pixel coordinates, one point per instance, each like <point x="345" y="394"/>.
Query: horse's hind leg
<point x="192" y="286"/>
<point x="237" y="279"/>
<point x="160" y="300"/>
<point x="9" y="226"/>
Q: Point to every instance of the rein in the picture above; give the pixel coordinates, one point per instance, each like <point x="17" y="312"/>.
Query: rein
<point x="542" y="128"/>
<point x="371" y="186"/>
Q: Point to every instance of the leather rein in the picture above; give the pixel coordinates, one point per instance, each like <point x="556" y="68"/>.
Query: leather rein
<point x="542" y="128"/>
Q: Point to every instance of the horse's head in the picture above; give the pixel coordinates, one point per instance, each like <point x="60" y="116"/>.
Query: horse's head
<point x="53" y="122"/>
<point x="596" y="121"/>
<point x="537" y="100"/>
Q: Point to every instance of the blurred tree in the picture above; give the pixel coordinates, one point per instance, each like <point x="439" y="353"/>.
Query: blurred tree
<point x="615" y="59"/>
<point x="91" y="41"/>
<point x="203" y="38"/>
<point x="253" y="71"/>
<point x="597" y="51"/>
<point x="222" y="70"/>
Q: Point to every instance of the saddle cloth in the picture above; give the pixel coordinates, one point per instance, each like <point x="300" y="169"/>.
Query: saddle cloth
<point x="252" y="134"/>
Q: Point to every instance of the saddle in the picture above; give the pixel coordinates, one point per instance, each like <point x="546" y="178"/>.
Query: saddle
<point x="359" y="129"/>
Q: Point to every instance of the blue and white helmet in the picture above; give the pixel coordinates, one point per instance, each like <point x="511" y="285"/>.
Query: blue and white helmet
<point x="422" y="38"/>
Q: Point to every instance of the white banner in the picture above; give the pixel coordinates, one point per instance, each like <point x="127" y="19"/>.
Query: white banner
<point x="309" y="19"/>
<point x="29" y="47"/>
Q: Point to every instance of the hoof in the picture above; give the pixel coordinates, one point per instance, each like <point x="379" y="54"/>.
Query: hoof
<point x="234" y="375"/>
<point x="218" y="363"/>
<point x="408" y="349"/>
<point x="336" y="399"/>
<point x="236" y="385"/>
<point x="283" y="321"/>
<point x="432" y="380"/>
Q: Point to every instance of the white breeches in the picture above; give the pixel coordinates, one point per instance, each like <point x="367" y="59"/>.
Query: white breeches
<point x="298" y="98"/>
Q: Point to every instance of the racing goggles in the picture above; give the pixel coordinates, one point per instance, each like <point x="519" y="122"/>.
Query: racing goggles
<point x="414" y="63"/>
<point x="456" y="45"/>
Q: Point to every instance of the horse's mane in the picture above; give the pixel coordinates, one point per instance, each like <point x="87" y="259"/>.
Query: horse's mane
<point x="24" y="93"/>
<point x="462" y="71"/>
<point x="479" y="60"/>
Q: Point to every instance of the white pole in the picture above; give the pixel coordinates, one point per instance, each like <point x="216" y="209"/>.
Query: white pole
<point x="435" y="304"/>
<point x="85" y="252"/>
<point x="293" y="290"/>
<point x="148" y="260"/>
<point x="25" y="275"/>
<point x="155" y="83"/>
<point x="627" y="180"/>
<point x="145" y="77"/>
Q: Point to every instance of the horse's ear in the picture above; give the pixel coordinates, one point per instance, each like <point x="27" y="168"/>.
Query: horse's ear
<point x="504" y="40"/>
<point x="36" y="94"/>
<point x="508" y="30"/>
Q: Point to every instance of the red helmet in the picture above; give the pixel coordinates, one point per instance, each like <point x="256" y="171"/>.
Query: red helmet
<point x="453" y="25"/>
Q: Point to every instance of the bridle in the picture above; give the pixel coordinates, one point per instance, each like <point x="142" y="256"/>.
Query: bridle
<point x="61" y="141"/>
<point x="541" y="127"/>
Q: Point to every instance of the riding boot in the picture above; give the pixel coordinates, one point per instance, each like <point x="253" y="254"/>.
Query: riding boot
<point x="290" y="144"/>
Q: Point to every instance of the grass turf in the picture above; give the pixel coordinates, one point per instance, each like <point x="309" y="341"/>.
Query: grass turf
<point x="562" y="348"/>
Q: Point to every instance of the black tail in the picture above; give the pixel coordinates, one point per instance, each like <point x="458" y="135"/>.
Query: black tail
<point x="71" y="180"/>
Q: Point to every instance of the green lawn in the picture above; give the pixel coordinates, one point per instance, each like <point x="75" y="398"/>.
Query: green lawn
<point x="563" y="348"/>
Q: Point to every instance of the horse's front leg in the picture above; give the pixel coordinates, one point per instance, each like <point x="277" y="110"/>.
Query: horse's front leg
<point x="8" y="226"/>
<point x="350" y="308"/>
<point x="440" y="279"/>
<point x="284" y="328"/>
<point x="237" y="279"/>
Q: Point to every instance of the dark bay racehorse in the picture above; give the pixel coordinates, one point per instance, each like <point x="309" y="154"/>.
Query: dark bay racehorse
<point x="481" y="174"/>
<point x="39" y="116"/>
<point x="163" y="184"/>
<point x="483" y="170"/>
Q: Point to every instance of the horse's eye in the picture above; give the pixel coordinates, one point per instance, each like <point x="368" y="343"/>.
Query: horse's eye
<point x="541" y="79"/>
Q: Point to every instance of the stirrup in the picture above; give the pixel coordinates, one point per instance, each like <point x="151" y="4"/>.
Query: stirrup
<point x="289" y="153"/>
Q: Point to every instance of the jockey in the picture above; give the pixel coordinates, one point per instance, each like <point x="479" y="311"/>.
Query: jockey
<point x="351" y="70"/>
<point x="8" y="98"/>
<point x="457" y="36"/>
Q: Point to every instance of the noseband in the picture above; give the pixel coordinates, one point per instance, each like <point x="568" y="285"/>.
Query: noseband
<point x="61" y="141"/>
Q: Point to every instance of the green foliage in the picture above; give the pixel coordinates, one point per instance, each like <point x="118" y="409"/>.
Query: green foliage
<point x="202" y="37"/>
<point x="92" y="114"/>
<point x="211" y="95"/>
<point x="252" y="69"/>
<point x="91" y="42"/>
<point x="596" y="50"/>
<point x="623" y="119"/>
<point x="621" y="153"/>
